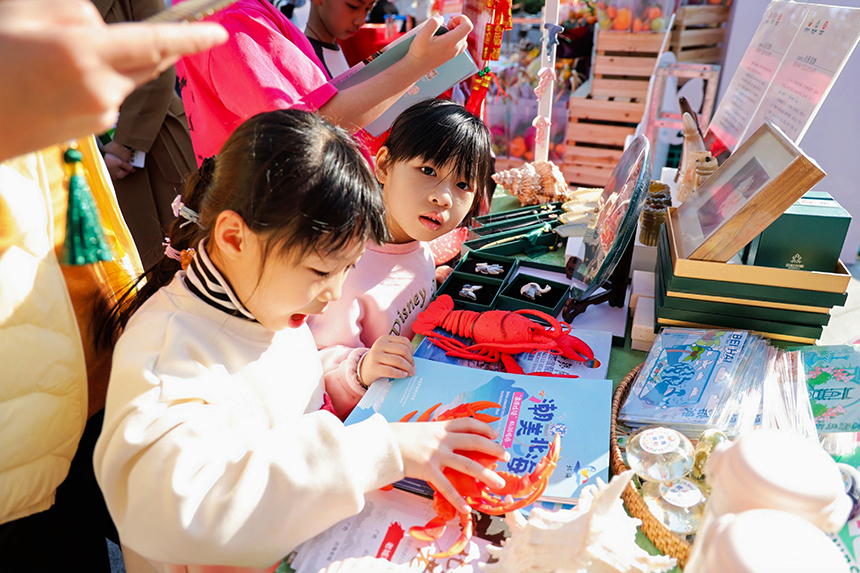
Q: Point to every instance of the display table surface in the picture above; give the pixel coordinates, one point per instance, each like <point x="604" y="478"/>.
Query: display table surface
<point x="622" y="358"/>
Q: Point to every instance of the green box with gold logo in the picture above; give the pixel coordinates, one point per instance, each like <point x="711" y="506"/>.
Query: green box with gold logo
<point x="807" y="237"/>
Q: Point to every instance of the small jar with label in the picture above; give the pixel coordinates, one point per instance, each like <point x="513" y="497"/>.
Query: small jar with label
<point x="659" y="454"/>
<point x="679" y="504"/>
<point x="851" y="481"/>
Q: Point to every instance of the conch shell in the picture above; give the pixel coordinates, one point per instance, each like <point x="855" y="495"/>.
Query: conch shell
<point x="534" y="183"/>
<point x="596" y="537"/>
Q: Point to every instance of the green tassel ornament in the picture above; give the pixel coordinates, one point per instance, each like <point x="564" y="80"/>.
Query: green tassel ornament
<point x="85" y="239"/>
<point x="532" y="249"/>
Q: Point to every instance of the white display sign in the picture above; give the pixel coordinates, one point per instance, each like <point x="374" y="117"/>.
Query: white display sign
<point x="792" y="62"/>
<point x="771" y="41"/>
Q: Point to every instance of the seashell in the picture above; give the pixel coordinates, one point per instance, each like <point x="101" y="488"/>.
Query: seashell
<point x="596" y="536"/>
<point x="534" y="183"/>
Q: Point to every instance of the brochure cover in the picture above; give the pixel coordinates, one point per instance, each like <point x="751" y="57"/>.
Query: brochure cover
<point x="532" y="410"/>
<point x="599" y="341"/>
<point x="684" y="378"/>
<point x="429" y="86"/>
<point x="833" y="377"/>
<point x="381" y="530"/>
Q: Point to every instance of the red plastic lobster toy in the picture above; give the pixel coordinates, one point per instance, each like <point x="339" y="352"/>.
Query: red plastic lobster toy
<point x="498" y="334"/>
<point x="518" y="491"/>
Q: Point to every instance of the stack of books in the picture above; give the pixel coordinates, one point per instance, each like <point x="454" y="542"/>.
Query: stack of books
<point x="781" y="304"/>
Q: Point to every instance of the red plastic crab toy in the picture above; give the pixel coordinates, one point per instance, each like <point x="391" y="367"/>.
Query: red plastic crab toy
<point x="498" y="334"/>
<point x="518" y="491"/>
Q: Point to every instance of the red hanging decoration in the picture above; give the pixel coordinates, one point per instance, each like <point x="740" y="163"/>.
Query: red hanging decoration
<point x="500" y="21"/>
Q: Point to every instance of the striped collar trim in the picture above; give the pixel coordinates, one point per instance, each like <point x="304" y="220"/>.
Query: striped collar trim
<point x="204" y="280"/>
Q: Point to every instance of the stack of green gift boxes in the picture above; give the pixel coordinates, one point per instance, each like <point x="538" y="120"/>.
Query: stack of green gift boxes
<point x="787" y="294"/>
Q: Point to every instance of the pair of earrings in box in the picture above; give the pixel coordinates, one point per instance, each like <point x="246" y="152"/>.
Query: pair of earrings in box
<point x="531" y="290"/>
<point x="468" y="291"/>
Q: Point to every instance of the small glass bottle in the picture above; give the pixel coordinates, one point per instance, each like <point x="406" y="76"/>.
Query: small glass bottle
<point x="657" y="202"/>
<point x="653" y="218"/>
<point x="708" y="440"/>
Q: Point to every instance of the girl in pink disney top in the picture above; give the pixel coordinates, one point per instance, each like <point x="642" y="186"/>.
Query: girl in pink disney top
<point x="216" y="448"/>
<point x="433" y="169"/>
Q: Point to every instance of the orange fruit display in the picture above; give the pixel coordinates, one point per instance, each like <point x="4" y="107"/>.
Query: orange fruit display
<point x="518" y="147"/>
<point x="622" y="20"/>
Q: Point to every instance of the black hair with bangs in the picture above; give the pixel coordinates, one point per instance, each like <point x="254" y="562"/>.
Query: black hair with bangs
<point x="296" y="180"/>
<point x="444" y="132"/>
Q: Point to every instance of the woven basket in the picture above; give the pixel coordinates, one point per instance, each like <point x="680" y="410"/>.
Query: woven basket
<point x="666" y="541"/>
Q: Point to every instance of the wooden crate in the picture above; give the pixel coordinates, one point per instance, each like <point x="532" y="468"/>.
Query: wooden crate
<point x="599" y="124"/>
<point x="623" y="63"/>
<point x="595" y="137"/>
<point x="698" y="33"/>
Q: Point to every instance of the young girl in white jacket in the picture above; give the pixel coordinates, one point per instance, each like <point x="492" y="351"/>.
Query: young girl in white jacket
<point x="217" y="447"/>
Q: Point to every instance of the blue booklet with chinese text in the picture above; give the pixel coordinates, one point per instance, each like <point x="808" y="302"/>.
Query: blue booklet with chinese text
<point x="833" y="379"/>
<point x="533" y="409"/>
<point x="684" y="379"/>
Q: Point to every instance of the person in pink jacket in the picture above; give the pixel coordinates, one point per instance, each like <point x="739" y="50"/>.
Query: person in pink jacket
<point x="269" y="64"/>
<point x="433" y="169"/>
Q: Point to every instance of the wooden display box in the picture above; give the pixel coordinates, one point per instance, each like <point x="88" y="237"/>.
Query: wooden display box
<point x="698" y="33"/>
<point x="543" y="274"/>
<point x="761" y="283"/>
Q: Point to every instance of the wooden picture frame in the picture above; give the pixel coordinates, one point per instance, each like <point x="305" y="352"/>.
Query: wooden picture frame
<point x="760" y="180"/>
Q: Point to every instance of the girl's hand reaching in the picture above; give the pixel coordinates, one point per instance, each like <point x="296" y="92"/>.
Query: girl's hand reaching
<point x="389" y="357"/>
<point x="442" y="273"/>
<point x="431" y="51"/>
<point x="427" y="448"/>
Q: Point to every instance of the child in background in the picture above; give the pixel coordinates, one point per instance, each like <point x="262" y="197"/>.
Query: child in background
<point x="269" y="64"/>
<point x="433" y="168"/>
<point x="216" y="448"/>
<point x="330" y="21"/>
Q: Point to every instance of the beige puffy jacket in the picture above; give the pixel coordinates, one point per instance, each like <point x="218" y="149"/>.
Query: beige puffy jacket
<point x="51" y="378"/>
